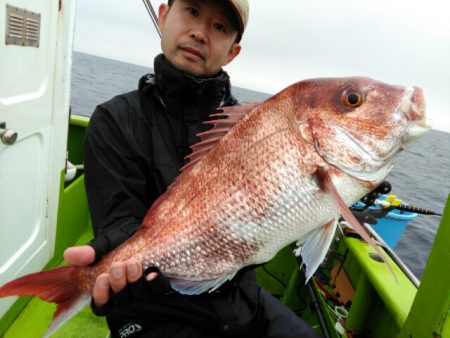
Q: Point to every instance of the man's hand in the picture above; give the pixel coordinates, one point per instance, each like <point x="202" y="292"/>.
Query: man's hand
<point x="119" y="274"/>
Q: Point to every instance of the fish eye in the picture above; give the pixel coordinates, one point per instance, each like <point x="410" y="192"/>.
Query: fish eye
<point x="353" y="98"/>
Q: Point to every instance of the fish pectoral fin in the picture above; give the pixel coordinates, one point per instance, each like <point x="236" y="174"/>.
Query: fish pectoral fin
<point x="315" y="245"/>
<point x="326" y="184"/>
<point x="195" y="287"/>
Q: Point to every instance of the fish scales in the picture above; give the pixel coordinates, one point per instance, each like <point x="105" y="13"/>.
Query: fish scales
<point x="207" y="230"/>
<point x="228" y="220"/>
<point x="230" y="209"/>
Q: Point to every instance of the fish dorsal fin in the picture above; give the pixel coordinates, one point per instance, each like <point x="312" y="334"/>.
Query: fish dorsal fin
<point x="223" y="121"/>
<point x="326" y="184"/>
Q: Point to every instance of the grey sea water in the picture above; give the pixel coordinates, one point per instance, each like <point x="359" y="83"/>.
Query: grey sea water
<point x="420" y="177"/>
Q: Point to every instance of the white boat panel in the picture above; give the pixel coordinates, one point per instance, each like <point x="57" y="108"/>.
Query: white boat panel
<point x="34" y="102"/>
<point x="28" y="159"/>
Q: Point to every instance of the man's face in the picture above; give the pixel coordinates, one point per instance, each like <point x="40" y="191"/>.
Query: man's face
<point x="197" y="36"/>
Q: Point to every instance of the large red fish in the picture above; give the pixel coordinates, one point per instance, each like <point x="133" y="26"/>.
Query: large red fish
<point x="264" y="176"/>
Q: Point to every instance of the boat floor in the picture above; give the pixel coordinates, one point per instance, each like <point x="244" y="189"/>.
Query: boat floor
<point x="35" y="318"/>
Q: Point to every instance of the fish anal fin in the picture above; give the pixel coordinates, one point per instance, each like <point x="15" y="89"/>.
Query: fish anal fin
<point x="189" y="287"/>
<point x="315" y="245"/>
<point x="326" y="184"/>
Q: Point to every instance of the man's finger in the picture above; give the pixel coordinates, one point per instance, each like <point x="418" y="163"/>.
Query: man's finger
<point x="117" y="276"/>
<point x="151" y="276"/>
<point x="100" y="294"/>
<point x="79" y="255"/>
<point x="134" y="270"/>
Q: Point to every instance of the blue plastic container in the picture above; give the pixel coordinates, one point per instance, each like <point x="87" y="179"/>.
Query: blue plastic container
<point x="391" y="227"/>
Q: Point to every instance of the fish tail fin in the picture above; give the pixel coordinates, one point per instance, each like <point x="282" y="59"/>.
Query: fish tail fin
<point x="61" y="286"/>
<point x="327" y="185"/>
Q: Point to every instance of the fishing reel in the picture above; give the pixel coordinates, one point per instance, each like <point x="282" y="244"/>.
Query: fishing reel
<point x="361" y="209"/>
<point x="369" y="200"/>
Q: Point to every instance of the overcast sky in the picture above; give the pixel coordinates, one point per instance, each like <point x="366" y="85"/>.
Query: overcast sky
<point x="395" y="41"/>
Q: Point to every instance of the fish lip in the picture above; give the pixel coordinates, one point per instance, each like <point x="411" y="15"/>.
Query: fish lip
<point x="413" y="107"/>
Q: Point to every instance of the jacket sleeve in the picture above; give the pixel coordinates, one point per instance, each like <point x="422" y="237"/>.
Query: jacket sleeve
<point x="115" y="183"/>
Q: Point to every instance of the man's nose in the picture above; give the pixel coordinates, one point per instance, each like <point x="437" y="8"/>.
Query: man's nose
<point x="199" y="33"/>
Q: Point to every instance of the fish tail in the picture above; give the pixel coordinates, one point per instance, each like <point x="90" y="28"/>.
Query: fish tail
<point x="61" y="286"/>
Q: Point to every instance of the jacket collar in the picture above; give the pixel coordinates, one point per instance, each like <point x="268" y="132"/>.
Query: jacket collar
<point x="188" y="96"/>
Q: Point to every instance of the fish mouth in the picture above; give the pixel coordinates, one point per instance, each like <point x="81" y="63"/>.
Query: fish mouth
<point x="413" y="107"/>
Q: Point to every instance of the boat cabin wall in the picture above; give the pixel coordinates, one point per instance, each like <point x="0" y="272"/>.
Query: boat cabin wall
<point x="36" y="39"/>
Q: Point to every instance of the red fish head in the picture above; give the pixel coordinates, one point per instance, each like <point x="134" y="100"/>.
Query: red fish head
<point x="358" y="124"/>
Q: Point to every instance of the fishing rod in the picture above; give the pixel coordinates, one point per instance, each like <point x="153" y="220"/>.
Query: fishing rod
<point x="406" y="207"/>
<point x="152" y="14"/>
<point x="391" y="202"/>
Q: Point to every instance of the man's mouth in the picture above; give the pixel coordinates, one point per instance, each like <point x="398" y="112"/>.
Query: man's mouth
<point x="193" y="51"/>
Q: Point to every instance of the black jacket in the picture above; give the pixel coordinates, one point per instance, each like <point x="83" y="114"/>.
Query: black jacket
<point x="136" y="143"/>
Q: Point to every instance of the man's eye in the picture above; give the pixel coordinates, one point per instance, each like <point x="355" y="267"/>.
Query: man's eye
<point x="192" y="11"/>
<point x="220" y="27"/>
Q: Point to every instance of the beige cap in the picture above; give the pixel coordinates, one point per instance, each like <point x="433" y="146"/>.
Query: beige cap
<point x="241" y="8"/>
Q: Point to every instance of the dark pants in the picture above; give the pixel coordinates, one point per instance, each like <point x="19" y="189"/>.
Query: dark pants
<point x="241" y="309"/>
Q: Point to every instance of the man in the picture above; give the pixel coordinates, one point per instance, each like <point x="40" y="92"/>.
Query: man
<point x="135" y="146"/>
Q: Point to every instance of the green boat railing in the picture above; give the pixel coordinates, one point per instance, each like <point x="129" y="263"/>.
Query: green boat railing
<point x="430" y="311"/>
